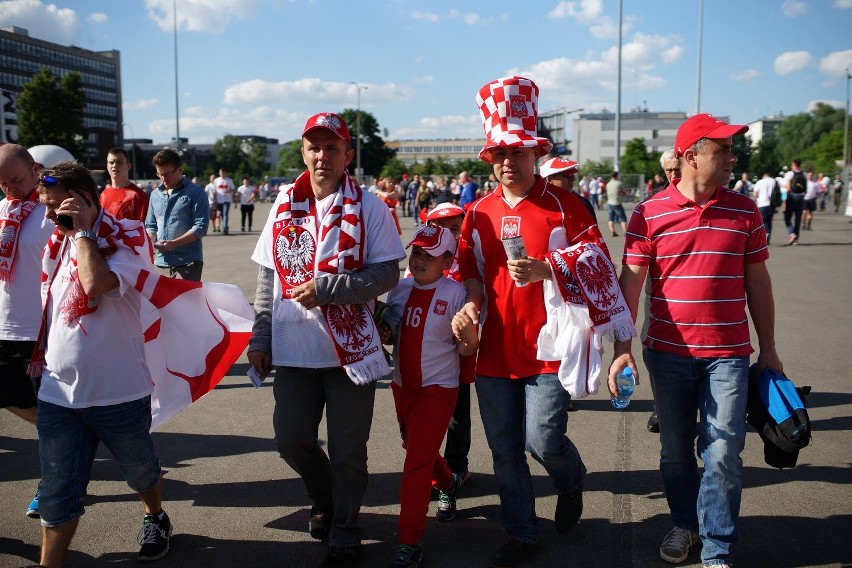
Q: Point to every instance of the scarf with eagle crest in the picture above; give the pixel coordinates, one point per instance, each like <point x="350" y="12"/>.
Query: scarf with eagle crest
<point x="305" y="247"/>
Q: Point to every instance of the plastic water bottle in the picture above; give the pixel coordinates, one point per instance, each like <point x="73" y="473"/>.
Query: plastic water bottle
<point x="625" y="383"/>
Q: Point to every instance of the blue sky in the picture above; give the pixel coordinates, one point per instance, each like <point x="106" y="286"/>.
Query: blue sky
<point x="263" y="66"/>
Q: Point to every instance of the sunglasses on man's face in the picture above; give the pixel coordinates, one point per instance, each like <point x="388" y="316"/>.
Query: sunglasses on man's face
<point x="48" y="181"/>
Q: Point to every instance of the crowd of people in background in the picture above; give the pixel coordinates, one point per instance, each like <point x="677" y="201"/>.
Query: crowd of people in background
<point x="331" y="246"/>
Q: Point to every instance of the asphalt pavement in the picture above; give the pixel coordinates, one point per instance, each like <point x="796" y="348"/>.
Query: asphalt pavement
<point x="233" y="501"/>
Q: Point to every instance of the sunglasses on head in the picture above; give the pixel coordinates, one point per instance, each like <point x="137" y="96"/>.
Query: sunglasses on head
<point x="48" y="181"/>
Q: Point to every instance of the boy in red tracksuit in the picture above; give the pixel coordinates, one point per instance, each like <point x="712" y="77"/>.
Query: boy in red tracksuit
<point x="425" y="382"/>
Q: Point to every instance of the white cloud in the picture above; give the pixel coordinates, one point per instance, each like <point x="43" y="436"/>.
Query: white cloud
<point x="428" y="16"/>
<point x="793" y="8"/>
<point x="203" y="125"/>
<point x="470" y="18"/>
<point x="449" y="126"/>
<point x="97" y="18"/>
<point x="792" y="61"/>
<point x="141" y="104"/>
<point x="424" y="80"/>
<point x="645" y="51"/>
<point x="830" y="102"/>
<point x="584" y="11"/>
<point x="746" y="75"/>
<point x="836" y="63"/>
<point x="200" y="15"/>
<point x="311" y="90"/>
<point x="44" y="21"/>
<point x="843" y="4"/>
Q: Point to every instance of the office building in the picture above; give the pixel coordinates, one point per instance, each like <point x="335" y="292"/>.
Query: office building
<point x="22" y="56"/>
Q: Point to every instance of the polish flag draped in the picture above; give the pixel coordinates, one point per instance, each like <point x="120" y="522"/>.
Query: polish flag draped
<point x="194" y="332"/>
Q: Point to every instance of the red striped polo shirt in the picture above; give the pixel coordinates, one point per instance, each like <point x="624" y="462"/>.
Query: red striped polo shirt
<point x="548" y="218"/>
<point x="697" y="257"/>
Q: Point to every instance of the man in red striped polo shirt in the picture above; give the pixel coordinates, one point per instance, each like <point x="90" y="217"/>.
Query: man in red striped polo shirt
<point x="705" y="248"/>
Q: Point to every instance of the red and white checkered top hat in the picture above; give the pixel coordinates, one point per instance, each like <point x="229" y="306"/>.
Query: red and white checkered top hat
<point x="509" y="109"/>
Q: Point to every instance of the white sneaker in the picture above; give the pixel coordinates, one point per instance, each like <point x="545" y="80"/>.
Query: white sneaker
<point x="676" y="545"/>
<point x="718" y="566"/>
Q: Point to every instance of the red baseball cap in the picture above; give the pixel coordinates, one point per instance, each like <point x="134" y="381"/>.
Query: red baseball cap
<point x="330" y="121"/>
<point x="704" y="126"/>
<point x="557" y="165"/>
<point x="434" y="240"/>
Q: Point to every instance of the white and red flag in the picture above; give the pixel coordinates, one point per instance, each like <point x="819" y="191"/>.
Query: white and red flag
<point x="194" y="332"/>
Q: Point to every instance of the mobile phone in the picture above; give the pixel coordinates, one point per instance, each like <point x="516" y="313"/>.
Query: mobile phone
<point x="66" y="221"/>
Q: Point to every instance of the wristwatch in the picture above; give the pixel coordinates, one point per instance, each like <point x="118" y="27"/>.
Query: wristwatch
<point x="85" y="235"/>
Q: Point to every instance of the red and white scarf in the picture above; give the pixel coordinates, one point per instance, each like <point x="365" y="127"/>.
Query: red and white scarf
<point x="584" y="304"/>
<point x="305" y="247"/>
<point x="12" y="215"/>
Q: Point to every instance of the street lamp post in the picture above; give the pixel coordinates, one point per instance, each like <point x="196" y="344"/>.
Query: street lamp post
<point x="846" y="140"/>
<point x="132" y="149"/>
<point x="358" y="130"/>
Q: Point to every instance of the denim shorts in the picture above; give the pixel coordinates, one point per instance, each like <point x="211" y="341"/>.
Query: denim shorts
<point x="68" y="440"/>
<point x="617" y="214"/>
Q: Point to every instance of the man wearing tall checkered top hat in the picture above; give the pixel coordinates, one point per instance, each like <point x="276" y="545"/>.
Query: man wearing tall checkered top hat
<point x="521" y="400"/>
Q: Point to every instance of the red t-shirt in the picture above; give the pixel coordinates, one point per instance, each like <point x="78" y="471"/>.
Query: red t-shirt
<point x="129" y="202"/>
<point x="548" y="218"/>
<point x="697" y="258"/>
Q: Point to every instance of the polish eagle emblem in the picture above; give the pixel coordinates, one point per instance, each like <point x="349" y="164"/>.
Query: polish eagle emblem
<point x="294" y="250"/>
<point x="571" y="285"/>
<point x="329" y="121"/>
<point x="518" y="106"/>
<point x="7" y="237"/>
<point x="598" y="279"/>
<point x="348" y="324"/>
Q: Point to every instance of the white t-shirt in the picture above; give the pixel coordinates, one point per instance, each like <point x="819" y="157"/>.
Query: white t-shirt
<point x="20" y="299"/>
<point x="224" y="189"/>
<point x="212" y="194"/>
<point x="98" y="359"/>
<point x="811" y="192"/>
<point x="300" y="338"/>
<point x="425" y="342"/>
<point x="763" y="189"/>
<point x="245" y="192"/>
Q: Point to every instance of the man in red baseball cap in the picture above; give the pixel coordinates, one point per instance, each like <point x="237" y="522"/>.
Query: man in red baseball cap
<point x="327" y="251"/>
<point x="710" y="245"/>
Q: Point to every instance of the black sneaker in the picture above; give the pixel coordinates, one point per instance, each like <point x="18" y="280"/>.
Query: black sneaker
<point x="154" y="537"/>
<point x="511" y="554"/>
<point x="569" y="509"/>
<point x="407" y="556"/>
<point x="447" y="500"/>
<point x="654" y="423"/>
<point x="319" y="525"/>
<point x="341" y="556"/>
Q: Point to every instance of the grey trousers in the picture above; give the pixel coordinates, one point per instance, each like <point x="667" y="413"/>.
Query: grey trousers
<point x="336" y="482"/>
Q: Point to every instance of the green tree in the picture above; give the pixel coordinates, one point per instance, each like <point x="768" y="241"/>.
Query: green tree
<point x="242" y="158"/>
<point x="766" y="158"/>
<point x="637" y="159"/>
<point x="827" y="152"/>
<point x="290" y="161"/>
<point x="799" y="133"/>
<point x="593" y="168"/>
<point x="394" y="168"/>
<point x="742" y="150"/>
<point x="51" y="112"/>
<point x="374" y="153"/>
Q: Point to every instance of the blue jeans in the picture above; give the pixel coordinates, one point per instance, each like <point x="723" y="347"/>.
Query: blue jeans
<point x="67" y="441"/>
<point x="224" y="214"/>
<point x="529" y="414"/>
<point x="717" y="390"/>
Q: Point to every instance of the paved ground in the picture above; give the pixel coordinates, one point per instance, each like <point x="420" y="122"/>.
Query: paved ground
<point x="233" y="501"/>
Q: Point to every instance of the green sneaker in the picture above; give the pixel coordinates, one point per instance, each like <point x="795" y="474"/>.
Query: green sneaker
<point x="447" y="500"/>
<point x="407" y="556"/>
